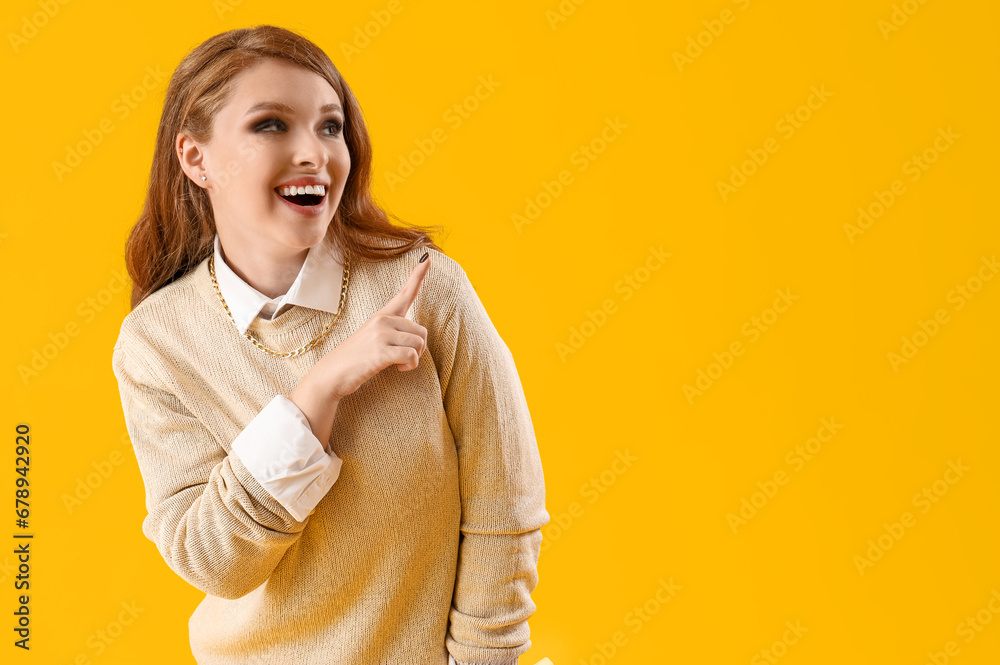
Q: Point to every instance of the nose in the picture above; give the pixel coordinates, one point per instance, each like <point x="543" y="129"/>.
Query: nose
<point x="309" y="150"/>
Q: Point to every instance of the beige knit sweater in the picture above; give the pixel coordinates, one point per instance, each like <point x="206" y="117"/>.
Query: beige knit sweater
<point x="427" y="543"/>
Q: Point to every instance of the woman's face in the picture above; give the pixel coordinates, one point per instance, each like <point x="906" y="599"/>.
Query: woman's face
<point x="281" y="127"/>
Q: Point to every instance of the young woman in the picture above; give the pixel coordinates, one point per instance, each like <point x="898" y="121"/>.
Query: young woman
<point x="333" y="437"/>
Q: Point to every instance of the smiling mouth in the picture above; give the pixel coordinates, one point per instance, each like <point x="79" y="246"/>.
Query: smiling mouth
<point x="307" y="200"/>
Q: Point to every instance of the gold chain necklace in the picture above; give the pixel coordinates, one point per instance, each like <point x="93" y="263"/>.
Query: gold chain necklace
<point x="301" y="349"/>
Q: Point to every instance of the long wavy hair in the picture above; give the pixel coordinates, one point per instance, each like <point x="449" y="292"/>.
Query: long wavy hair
<point x="176" y="229"/>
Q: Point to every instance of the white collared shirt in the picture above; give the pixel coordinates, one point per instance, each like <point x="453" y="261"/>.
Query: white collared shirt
<point x="278" y="446"/>
<point x="311" y="288"/>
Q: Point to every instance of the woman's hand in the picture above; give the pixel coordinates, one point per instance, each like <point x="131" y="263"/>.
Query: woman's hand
<point x="387" y="338"/>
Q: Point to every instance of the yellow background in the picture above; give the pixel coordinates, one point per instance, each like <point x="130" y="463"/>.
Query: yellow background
<point x="664" y="517"/>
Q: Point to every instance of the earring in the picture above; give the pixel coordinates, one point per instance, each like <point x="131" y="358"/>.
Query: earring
<point x="204" y="178"/>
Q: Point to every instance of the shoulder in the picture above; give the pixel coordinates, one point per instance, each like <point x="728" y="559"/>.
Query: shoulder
<point x="446" y="275"/>
<point x="445" y="268"/>
<point x="448" y="303"/>
<point x="165" y="316"/>
<point x="444" y="283"/>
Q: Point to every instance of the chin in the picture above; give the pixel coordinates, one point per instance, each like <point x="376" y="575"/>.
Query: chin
<point x="305" y="237"/>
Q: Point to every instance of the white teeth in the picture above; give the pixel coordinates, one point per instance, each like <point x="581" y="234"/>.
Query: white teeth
<point x="317" y="190"/>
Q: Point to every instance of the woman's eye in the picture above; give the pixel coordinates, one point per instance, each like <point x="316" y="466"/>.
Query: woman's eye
<point x="332" y="127"/>
<point x="268" y="124"/>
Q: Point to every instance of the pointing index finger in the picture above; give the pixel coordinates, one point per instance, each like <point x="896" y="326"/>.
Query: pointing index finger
<point x="400" y="304"/>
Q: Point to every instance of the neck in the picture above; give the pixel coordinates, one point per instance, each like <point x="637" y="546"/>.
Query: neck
<point x="272" y="273"/>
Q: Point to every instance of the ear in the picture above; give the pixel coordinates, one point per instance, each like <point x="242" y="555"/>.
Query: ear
<point x="192" y="159"/>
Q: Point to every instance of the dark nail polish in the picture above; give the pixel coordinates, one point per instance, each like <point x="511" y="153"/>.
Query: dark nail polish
<point x="424" y="257"/>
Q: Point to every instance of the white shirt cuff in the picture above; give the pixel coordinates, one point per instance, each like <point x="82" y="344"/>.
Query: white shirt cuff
<point x="279" y="449"/>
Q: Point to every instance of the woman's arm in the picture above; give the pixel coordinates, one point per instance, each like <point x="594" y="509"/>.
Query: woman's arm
<point x="315" y="397"/>
<point x="501" y="484"/>
<point x="212" y="521"/>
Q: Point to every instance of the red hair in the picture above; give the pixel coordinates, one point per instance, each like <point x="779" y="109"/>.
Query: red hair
<point x="176" y="229"/>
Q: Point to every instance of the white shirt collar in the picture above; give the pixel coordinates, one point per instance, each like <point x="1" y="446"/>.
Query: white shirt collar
<point x="317" y="286"/>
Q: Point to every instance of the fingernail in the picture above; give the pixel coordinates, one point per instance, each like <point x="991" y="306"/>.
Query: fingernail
<point x="423" y="258"/>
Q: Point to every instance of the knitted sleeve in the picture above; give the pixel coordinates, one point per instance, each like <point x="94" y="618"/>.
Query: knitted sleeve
<point x="211" y="520"/>
<point x="501" y="485"/>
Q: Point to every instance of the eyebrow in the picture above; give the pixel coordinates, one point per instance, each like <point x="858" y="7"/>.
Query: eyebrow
<point x="278" y="106"/>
